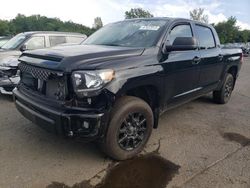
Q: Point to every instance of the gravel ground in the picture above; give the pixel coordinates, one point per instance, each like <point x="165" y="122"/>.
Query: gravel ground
<point x="199" y="144"/>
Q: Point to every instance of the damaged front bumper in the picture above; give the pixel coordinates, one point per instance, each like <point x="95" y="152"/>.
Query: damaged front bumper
<point x="9" y="78"/>
<point x="8" y="84"/>
<point x="84" y="123"/>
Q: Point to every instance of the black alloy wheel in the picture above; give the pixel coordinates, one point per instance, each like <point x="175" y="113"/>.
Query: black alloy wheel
<point x="132" y="131"/>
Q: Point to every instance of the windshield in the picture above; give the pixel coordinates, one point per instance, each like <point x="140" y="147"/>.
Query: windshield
<point x="3" y="41"/>
<point x="130" y="33"/>
<point x="14" y="42"/>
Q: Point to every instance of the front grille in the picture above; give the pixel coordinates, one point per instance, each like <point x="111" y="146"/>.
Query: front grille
<point x="39" y="73"/>
<point x="47" y="82"/>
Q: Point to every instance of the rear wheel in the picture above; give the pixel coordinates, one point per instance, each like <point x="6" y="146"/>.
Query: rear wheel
<point x="129" y="129"/>
<point x="224" y="94"/>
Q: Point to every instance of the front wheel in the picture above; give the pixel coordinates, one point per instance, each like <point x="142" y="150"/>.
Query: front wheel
<point x="129" y="129"/>
<point x="224" y="94"/>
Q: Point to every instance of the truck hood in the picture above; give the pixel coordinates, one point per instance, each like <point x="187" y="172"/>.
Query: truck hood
<point x="68" y="58"/>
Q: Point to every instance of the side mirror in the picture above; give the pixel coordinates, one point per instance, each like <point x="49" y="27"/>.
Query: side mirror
<point x="23" y="47"/>
<point x="182" y="44"/>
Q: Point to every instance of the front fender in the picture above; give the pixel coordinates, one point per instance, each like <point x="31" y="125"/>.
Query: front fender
<point x="136" y="77"/>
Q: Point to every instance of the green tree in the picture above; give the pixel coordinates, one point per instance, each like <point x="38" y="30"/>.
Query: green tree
<point x="97" y="23"/>
<point x="4" y="28"/>
<point x="22" y="23"/>
<point x="198" y="14"/>
<point x="137" y="13"/>
<point x="227" y="30"/>
<point x="243" y="36"/>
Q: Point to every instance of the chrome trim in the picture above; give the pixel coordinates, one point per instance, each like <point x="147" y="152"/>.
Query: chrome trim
<point x="187" y="92"/>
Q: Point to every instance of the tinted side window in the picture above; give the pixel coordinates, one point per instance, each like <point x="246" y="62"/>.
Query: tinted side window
<point x="179" y="31"/>
<point x="75" y="40"/>
<point x="205" y="37"/>
<point x="35" y="43"/>
<point x="56" y="40"/>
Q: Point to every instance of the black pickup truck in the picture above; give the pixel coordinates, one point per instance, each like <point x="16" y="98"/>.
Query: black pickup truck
<point x="114" y="86"/>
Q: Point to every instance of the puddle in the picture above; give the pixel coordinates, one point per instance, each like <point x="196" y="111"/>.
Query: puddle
<point x="147" y="171"/>
<point x="235" y="137"/>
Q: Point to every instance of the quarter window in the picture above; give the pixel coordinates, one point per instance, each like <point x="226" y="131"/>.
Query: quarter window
<point x="205" y="36"/>
<point x="35" y="43"/>
<point x="56" y="40"/>
<point x="179" y="31"/>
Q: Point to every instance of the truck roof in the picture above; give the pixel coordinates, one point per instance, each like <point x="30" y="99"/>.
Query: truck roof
<point x="170" y="19"/>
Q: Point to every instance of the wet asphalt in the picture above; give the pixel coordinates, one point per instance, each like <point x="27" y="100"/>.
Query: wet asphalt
<point x="199" y="144"/>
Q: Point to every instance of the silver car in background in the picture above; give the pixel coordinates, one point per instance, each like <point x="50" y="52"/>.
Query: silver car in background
<point x="12" y="49"/>
<point x="3" y="40"/>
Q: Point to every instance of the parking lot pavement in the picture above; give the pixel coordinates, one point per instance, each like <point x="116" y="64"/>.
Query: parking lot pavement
<point x="206" y="145"/>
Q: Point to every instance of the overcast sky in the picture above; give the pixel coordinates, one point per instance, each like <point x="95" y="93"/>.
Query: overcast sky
<point x="84" y="11"/>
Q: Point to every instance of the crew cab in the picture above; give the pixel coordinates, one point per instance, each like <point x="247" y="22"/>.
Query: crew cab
<point x="114" y="86"/>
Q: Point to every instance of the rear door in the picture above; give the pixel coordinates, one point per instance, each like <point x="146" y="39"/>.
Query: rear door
<point x="180" y="67"/>
<point x="211" y="63"/>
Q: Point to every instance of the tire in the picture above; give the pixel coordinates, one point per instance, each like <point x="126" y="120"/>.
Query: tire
<point x="224" y="94"/>
<point x="127" y="113"/>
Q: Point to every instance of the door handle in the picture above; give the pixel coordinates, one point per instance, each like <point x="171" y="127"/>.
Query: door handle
<point x="196" y="60"/>
<point x="220" y="57"/>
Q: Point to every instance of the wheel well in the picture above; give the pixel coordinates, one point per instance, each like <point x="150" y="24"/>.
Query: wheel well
<point x="146" y="93"/>
<point x="233" y="70"/>
<point x="150" y="95"/>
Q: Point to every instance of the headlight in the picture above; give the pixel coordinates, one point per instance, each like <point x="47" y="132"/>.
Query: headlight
<point x="89" y="81"/>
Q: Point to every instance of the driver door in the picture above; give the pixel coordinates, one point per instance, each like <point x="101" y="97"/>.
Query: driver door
<point x="181" y="70"/>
